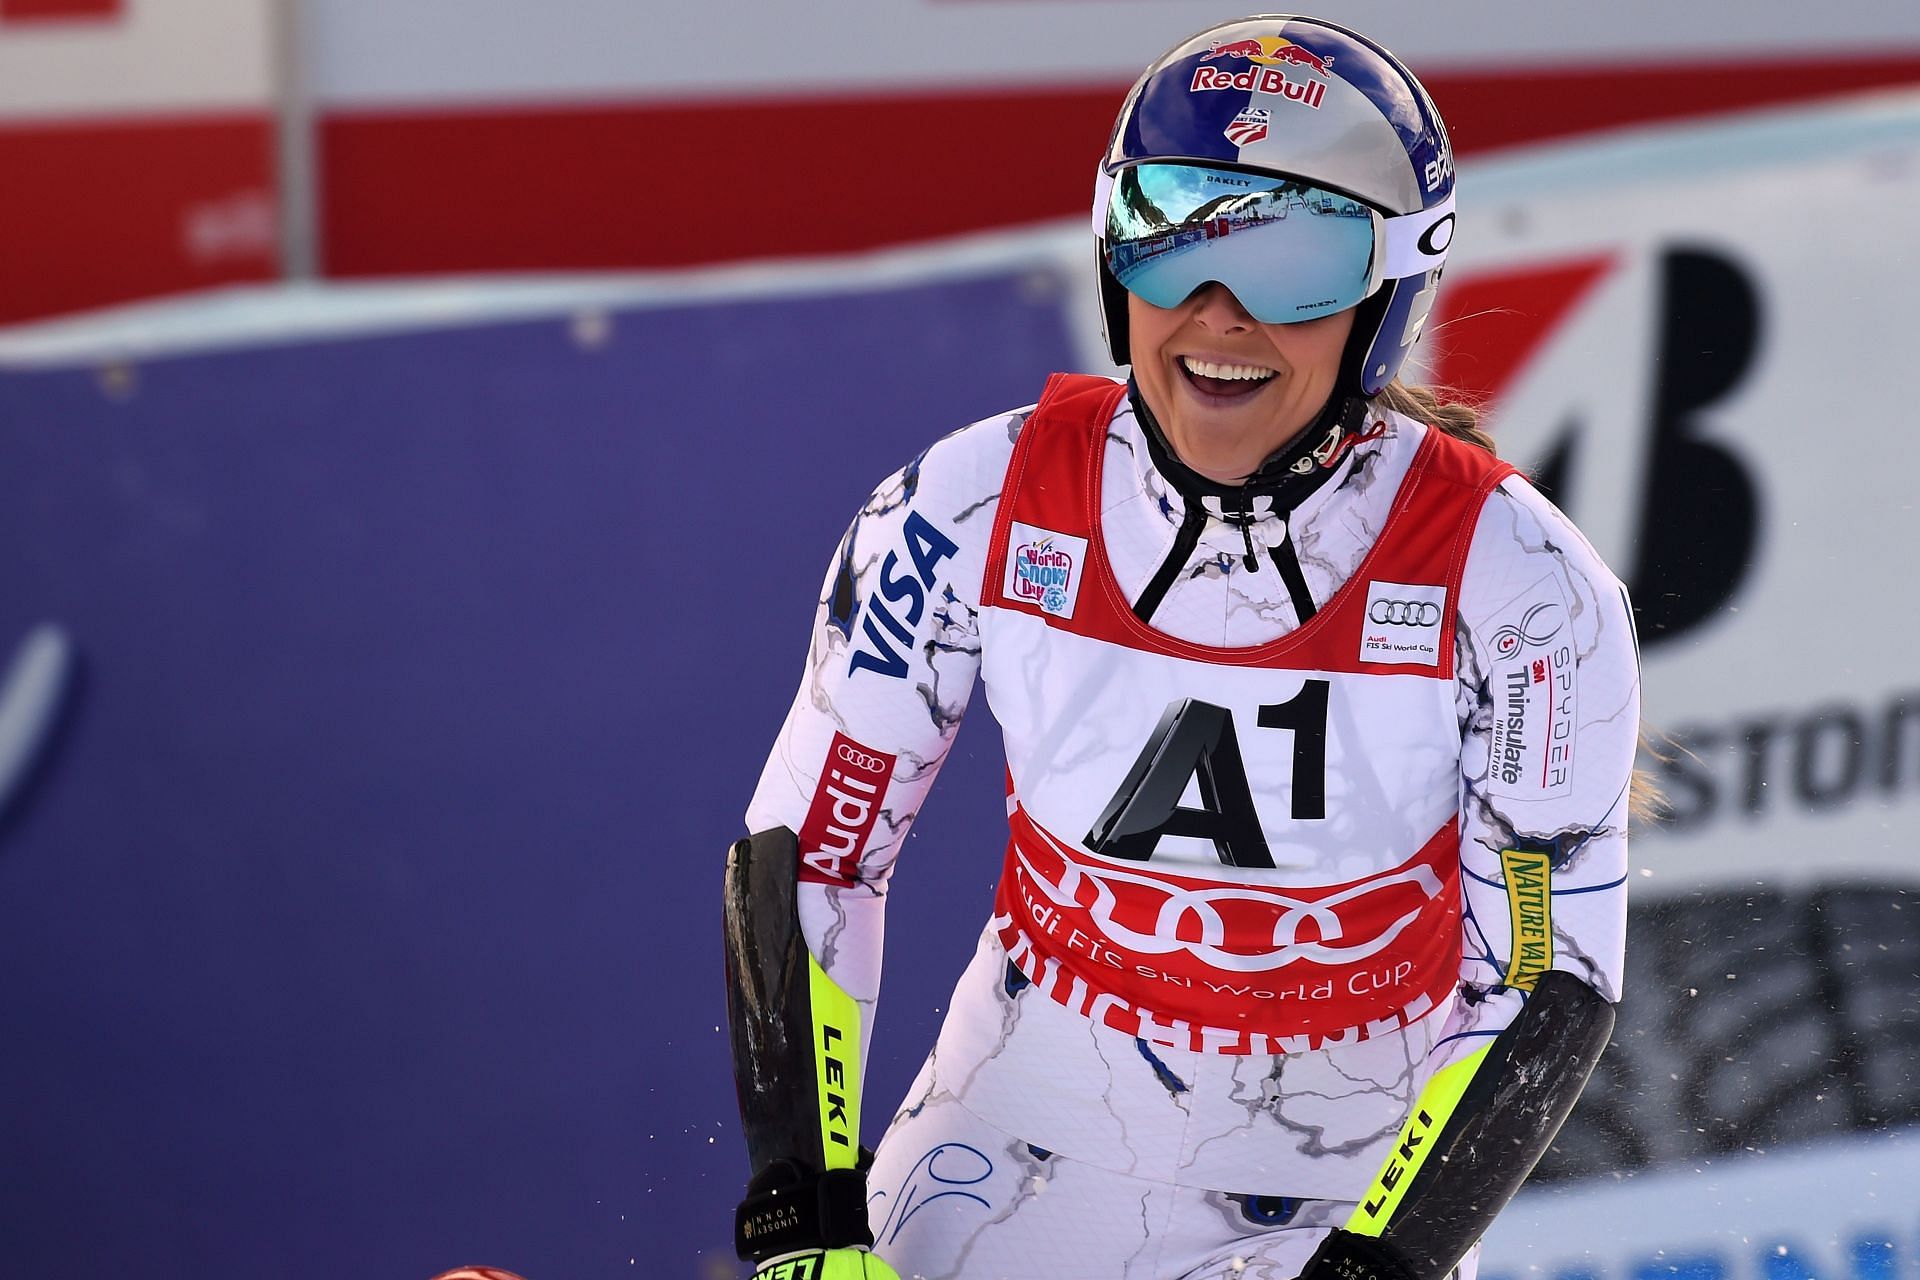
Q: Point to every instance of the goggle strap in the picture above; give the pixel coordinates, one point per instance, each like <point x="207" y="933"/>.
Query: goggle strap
<point x="1417" y="242"/>
<point x="1102" y="193"/>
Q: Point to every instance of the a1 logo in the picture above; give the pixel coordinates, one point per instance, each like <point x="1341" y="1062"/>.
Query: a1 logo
<point x="1196" y="739"/>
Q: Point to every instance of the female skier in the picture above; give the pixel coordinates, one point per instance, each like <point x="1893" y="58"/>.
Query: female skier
<point x="1319" y="726"/>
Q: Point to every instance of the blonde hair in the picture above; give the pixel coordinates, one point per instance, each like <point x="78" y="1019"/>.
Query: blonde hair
<point x="1436" y="407"/>
<point x="1457" y="418"/>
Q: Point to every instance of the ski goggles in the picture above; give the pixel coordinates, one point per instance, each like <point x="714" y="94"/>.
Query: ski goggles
<point x="1287" y="249"/>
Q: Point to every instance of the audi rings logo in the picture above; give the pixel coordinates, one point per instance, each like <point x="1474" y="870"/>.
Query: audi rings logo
<point x="1235" y="928"/>
<point x="1536" y="626"/>
<point x="864" y="761"/>
<point x="1405" y="613"/>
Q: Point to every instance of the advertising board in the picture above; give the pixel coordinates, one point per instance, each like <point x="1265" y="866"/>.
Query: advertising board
<point x="383" y="674"/>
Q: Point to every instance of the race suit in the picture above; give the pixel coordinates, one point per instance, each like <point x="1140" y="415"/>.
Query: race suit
<point x="1307" y="785"/>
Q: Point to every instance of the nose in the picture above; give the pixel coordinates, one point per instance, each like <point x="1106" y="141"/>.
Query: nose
<point x="1215" y="307"/>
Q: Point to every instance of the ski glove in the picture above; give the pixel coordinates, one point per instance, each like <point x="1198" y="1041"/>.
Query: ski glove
<point x="1346" y="1255"/>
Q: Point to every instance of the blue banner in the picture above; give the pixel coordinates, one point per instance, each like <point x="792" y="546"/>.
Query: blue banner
<point x="377" y="715"/>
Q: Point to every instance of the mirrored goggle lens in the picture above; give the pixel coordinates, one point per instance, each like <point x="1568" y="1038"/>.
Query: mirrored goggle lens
<point x="1288" y="251"/>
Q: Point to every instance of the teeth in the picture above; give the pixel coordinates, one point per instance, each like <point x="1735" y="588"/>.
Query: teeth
<point x="1229" y="372"/>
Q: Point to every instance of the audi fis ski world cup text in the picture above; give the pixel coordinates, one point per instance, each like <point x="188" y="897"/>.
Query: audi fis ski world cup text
<point x="1403" y="623"/>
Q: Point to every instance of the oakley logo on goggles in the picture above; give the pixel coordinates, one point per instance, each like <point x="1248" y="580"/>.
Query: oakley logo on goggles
<point x="1288" y="250"/>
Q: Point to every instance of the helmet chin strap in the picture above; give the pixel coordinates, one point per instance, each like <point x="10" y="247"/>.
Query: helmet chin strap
<point x="1366" y="327"/>
<point x="1298" y="468"/>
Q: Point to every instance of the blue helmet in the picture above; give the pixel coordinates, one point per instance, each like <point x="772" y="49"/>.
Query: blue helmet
<point x="1295" y="161"/>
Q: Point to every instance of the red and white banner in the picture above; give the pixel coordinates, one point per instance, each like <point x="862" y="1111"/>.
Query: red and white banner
<point x="23" y="11"/>
<point x="884" y="122"/>
<point x="137" y="137"/>
<point x="484" y="135"/>
<point x="516" y="185"/>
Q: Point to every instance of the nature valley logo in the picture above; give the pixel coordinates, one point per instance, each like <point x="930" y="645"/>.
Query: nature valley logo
<point x="1529" y="915"/>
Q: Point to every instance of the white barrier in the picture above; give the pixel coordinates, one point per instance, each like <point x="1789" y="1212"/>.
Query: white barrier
<point x="1844" y="1210"/>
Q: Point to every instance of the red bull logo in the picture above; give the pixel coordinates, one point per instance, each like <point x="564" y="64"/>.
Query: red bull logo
<point x="1299" y="56"/>
<point x="1235" y="49"/>
<point x="1270" y="80"/>
<point x="1271" y="51"/>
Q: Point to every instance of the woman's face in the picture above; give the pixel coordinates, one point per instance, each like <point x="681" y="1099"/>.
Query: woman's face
<point x="1277" y="377"/>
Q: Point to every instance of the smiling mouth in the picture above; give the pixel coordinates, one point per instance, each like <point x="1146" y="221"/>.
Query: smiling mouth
<point x="1224" y="381"/>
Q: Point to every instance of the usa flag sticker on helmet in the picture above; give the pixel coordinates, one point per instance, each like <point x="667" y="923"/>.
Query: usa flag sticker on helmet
<point x="1249" y="126"/>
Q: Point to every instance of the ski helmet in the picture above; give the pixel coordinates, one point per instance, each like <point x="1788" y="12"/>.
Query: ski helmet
<point x="1296" y="162"/>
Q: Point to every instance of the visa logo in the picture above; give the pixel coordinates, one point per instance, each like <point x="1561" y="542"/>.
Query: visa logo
<point x="886" y="635"/>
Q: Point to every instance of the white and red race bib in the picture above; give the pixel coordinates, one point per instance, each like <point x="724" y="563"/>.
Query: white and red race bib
<point x="1234" y="850"/>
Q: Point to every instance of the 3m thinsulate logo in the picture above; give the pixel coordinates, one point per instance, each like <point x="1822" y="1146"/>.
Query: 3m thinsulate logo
<point x="1530" y="753"/>
<point x="846" y="803"/>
